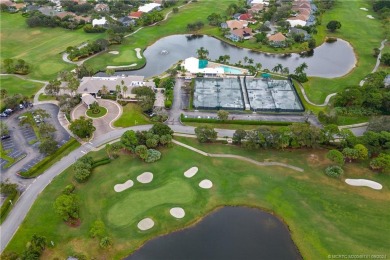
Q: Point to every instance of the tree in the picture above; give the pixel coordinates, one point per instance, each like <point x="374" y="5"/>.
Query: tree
<point x="286" y="70"/>
<point x="385" y="59"/>
<point x="312" y="43"/>
<point x="205" y="134"/>
<point x="118" y="90"/>
<point x="175" y="10"/>
<point x="153" y="156"/>
<point x="381" y="163"/>
<point x="301" y="68"/>
<point x="3" y="129"/>
<point x="258" y="66"/>
<point x="165" y="139"/>
<point x="334" y="171"/>
<point x="151" y="143"/>
<point x="125" y="88"/>
<point x="238" y="136"/>
<point x="98" y="229"/>
<point x="333" y="25"/>
<point x="145" y="96"/>
<point x="336" y="156"/>
<point x="3" y="93"/>
<point x="38" y="243"/>
<point x="48" y="146"/>
<point x="277" y="68"/>
<point x="202" y="53"/>
<point x="161" y="129"/>
<point x="82" y="127"/>
<point x="104" y="90"/>
<point x="73" y="85"/>
<point x="46" y="130"/>
<point x="350" y="154"/>
<point x="141" y="151"/>
<point x="67" y="206"/>
<point x="53" y="87"/>
<point x="223" y="115"/>
<point x="105" y="242"/>
<point x="362" y="152"/>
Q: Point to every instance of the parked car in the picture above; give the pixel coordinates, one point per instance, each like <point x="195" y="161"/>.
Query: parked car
<point x="3" y="137"/>
<point x="4" y="115"/>
<point x="22" y="117"/>
<point x="8" y="111"/>
<point x="21" y="106"/>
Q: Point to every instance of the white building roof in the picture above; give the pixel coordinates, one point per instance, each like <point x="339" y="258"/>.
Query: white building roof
<point x="192" y="65"/>
<point x="148" y="7"/>
<point x="295" y="22"/>
<point x="101" y="21"/>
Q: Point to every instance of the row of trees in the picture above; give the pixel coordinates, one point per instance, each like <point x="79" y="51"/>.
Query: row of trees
<point x="37" y="19"/>
<point x="87" y="50"/>
<point x="18" y="66"/>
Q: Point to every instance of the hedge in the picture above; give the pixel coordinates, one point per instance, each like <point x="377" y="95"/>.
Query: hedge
<point x="40" y="167"/>
<point x="235" y="122"/>
<point x="103" y="161"/>
<point x="6" y="205"/>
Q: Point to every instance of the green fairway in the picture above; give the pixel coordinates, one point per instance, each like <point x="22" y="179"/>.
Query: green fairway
<point x="40" y="47"/>
<point x="325" y="216"/>
<point x="134" y="202"/>
<point x="15" y="85"/>
<point x="362" y="33"/>
<point x="132" y="115"/>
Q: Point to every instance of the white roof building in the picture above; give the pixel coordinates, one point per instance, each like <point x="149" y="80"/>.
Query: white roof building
<point x="192" y="65"/>
<point x="295" y="22"/>
<point x="264" y="2"/>
<point x="99" y="22"/>
<point x="148" y="7"/>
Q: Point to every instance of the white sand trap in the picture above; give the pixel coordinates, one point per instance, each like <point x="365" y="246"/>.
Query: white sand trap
<point x="364" y="9"/>
<point x="177" y="212"/>
<point x="123" y="66"/>
<point x="191" y="172"/>
<point x="145" y="177"/>
<point x="362" y="182"/>
<point x="370" y="16"/>
<point x="205" y="184"/>
<point x="114" y="52"/>
<point x="124" y="186"/>
<point x="138" y="50"/>
<point x="145" y="224"/>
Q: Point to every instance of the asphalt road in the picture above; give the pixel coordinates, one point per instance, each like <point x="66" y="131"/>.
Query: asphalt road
<point x="19" y="212"/>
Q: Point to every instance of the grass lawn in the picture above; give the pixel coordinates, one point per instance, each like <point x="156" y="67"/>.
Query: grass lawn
<point x="132" y="115"/>
<point x="102" y="112"/>
<point x="226" y="126"/>
<point x="325" y="215"/>
<point x="44" y="97"/>
<point x="15" y="85"/>
<point x="362" y="33"/>
<point x="40" y="47"/>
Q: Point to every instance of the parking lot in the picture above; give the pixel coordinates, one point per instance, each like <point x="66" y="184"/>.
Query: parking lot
<point x="2" y="163"/>
<point x="10" y="145"/>
<point x="28" y="134"/>
<point x="31" y="163"/>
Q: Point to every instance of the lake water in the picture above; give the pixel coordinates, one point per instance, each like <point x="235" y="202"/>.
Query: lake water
<point x="228" y="233"/>
<point x="328" y="60"/>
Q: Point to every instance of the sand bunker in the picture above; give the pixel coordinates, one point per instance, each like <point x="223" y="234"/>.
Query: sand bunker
<point x="364" y="9"/>
<point x="362" y="182"/>
<point x="124" y="186"/>
<point x="191" y="172"/>
<point x="145" y="224"/>
<point x="138" y="51"/>
<point x="177" y="212"/>
<point x="145" y="177"/>
<point x="114" y="52"/>
<point x="370" y="16"/>
<point x="206" y="184"/>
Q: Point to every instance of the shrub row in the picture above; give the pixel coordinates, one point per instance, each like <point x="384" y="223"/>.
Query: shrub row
<point x="238" y="122"/>
<point x="40" y="167"/>
<point x="102" y="161"/>
<point x="4" y="208"/>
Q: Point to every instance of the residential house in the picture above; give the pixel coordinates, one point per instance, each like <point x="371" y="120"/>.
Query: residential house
<point x="246" y="17"/>
<point x="236" y="16"/>
<point x="240" y="34"/>
<point x="294" y="21"/>
<point x="48" y="10"/>
<point x="135" y="15"/>
<point x="264" y="2"/>
<point x="88" y="100"/>
<point x="93" y="85"/>
<point x="255" y="9"/>
<point x="99" y="22"/>
<point x="293" y="31"/>
<point x="234" y="24"/>
<point x="149" y="7"/>
<point x="31" y="8"/>
<point x="102" y="8"/>
<point x="277" y="40"/>
<point x="126" y="21"/>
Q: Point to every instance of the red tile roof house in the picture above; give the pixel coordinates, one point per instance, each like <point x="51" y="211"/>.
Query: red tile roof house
<point x="102" y="8"/>
<point x="135" y="15"/>
<point x="277" y="40"/>
<point x="240" y="34"/>
<point x="246" y="17"/>
<point x="256" y="8"/>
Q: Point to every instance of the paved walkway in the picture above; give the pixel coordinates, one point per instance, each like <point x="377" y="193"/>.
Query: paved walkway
<point x="378" y="61"/>
<point x="242" y="158"/>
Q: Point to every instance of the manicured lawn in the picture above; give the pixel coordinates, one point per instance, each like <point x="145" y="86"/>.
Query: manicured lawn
<point x="15" y="85"/>
<point x="102" y="112"/>
<point x="362" y="33"/>
<point x="225" y="126"/>
<point x="40" y="47"/>
<point x="44" y="97"/>
<point x="132" y="115"/>
<point x="325" y="215"/>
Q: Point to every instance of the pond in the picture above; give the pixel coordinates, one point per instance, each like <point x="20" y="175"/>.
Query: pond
<point x="228" y="233"/>
<point x="328" y="60"/>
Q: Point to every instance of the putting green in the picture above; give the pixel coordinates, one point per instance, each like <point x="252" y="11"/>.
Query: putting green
<point x="125" y="211"/>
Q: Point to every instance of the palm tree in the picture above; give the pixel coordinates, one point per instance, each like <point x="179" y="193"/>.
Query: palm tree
<point x="104" y="90"/>
<point x="38" y="243"/>
<point x="118" y="90"/>
<point x="124" y="90"/>
<point x="202" y="53"/>
<point x="250" y="61"/>
<point x="286" y="71"/>
<point x="301" y="68"/>
<point x="258" y="66"/>
<point x="226" y="58"/>
<point x="277" y="68"/>
<point x="246" y="59"/>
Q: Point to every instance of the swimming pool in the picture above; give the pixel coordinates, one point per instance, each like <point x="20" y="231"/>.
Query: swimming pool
<point x="231" y="70"/>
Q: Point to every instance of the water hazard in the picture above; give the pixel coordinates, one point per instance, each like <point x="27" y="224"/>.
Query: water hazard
<point x="229" y="233"/>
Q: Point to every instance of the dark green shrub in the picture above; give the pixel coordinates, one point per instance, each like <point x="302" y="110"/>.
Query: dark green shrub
<point x="334" y="171"/>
